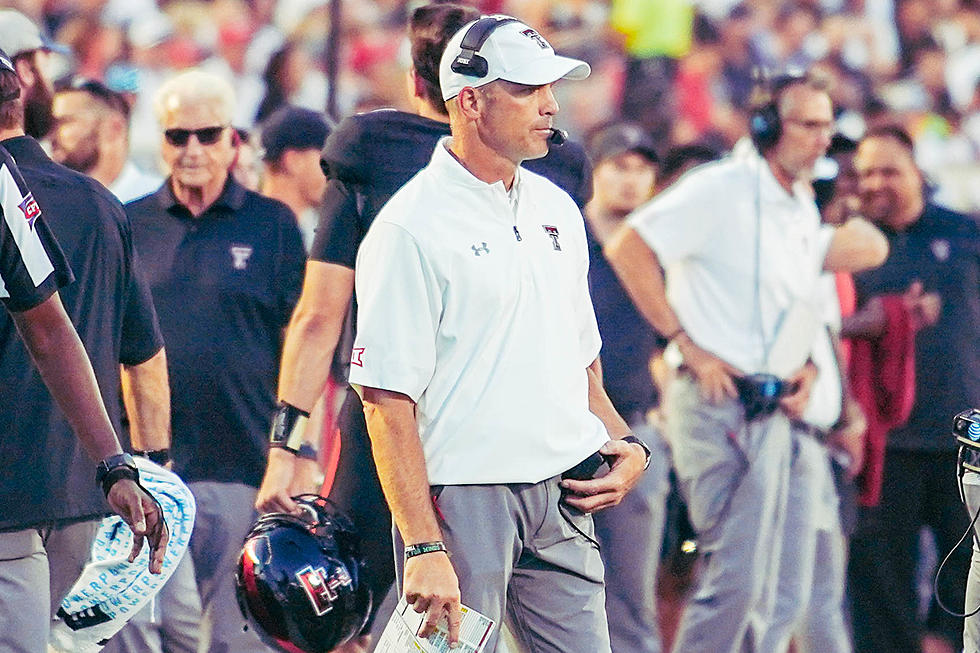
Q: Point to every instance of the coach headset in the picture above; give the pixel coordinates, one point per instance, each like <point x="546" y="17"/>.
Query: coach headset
<point x="765" y="124"/>
<point x="469" y="62"/>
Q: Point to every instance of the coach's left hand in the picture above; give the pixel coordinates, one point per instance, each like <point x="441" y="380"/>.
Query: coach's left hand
<point x="628" y="460"/>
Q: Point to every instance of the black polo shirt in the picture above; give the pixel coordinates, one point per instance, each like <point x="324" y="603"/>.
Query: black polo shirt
<point x="942" y="250"/>
<point x="628" y="341"/>
<point x="46" y="474"/>
<point x="224" y="285"/>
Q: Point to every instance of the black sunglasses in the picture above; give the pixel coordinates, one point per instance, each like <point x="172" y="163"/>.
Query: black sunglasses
<point x="205" y="135"/>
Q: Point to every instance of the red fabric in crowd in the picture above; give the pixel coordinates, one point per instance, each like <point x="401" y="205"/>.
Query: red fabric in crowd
<point x="882" y="376"/>
<point x="847" y="297"/>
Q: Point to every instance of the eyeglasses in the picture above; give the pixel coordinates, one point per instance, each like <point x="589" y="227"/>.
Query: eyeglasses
<point x="205" y="135"/>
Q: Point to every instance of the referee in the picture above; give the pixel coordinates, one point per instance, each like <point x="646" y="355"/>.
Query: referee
<point x="32" y="268"/>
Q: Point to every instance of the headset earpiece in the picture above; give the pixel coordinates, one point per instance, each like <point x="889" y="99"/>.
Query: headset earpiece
<point x="765" y="126"/>
<point x="468" y="62"/>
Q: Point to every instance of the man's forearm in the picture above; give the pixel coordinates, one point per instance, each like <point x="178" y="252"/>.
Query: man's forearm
<point x="61" y="359"/>
<point x="601" y="406"/>
<point x="639" y="270"/>
<point x="400" y="461"/>
<point x="146" y="395"/>
<point x="313" y="333"/>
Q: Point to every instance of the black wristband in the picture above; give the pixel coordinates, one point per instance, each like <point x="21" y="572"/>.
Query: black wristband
<point x="422" y="548"/>
<point x="288" y="425"/>
<point x="635" y="440"/>
<point x="115" y="468"/>
<point x="158" y="456"/>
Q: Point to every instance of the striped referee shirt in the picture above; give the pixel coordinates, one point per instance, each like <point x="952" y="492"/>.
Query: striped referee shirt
<point x="32" y="265"/>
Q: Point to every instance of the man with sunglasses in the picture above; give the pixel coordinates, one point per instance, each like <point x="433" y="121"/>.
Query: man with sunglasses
<point x="225" y="266"/>
<point x="91" y="135"/>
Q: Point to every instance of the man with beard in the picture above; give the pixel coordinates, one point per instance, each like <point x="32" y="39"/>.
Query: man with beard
<point x="30" y="50"/>
<point x="939" y="249"/>
<point x="91" y="135"/>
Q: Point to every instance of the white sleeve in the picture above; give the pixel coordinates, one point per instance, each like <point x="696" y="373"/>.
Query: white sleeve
<point x="678" y="223"/>
<point x="399" y="306"/>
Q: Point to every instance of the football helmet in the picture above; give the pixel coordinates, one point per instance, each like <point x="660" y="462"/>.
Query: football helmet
<point x="300" y="579"/>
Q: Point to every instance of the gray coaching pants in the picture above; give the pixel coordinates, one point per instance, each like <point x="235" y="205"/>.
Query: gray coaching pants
<point x="516" y="556"/>
<point x="631" y="535"/>
<point x="37" y="568"/>
<point x="734" y="478"/>
<point x="810" y="592"/>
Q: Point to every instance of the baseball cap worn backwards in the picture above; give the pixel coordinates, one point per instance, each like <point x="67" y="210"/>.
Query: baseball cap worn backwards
<point x="513" y="52"/>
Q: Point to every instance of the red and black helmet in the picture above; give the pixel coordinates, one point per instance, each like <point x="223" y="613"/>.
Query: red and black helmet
<point x="300" y="580"/>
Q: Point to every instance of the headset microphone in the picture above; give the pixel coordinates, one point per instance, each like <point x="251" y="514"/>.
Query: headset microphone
<point x="558" y="137"/>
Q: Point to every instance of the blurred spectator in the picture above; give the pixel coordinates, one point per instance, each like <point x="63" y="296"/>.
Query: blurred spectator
<point x="625" y="170"/>
<point x="225" y="266"/>
<point x="247" y="166"/>
<point x="29" y="50"/>
<point x="654" y="36"/>
<point x="935" y="249"/>
<point x="291" y="142"/>
<point x="91" y="135"/>
<point x="283" y="77"/>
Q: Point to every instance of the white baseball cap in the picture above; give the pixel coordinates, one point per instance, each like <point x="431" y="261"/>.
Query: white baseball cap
<point x="513" y="52"/>
<point x="19" y="34"/>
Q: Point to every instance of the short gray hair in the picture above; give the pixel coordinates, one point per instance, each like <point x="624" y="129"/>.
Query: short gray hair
<point x="193" y="87"/>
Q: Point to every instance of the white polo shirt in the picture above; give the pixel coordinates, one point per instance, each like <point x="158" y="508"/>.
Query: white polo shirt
<point x="826" y="395"/>
<point x="704" y="232"/>
<point x="488" y="334"/>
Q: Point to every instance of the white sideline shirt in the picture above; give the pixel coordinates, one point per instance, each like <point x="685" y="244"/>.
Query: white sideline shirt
<point x="703" y="230"/>
<point x="490" y="336"/>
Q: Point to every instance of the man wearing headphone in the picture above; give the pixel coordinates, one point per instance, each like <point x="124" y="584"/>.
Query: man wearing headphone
<point x="726" y="265"/>
<point x="476" y="358"/>
<point x="367" y="158"/>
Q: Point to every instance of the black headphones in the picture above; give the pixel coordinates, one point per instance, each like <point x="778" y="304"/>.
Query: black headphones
<point x="765" y="125"/>
<point x="468" y="62"/>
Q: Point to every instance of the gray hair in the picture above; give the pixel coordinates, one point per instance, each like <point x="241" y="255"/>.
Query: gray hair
<point x="193" y="87"/>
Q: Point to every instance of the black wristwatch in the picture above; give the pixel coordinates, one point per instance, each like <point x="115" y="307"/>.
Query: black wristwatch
<point x="115" y="468"/>
<point x="635" y="440"/>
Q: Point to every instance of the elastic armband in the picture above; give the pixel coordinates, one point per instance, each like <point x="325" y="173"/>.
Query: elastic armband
<point x="288" y="427"/>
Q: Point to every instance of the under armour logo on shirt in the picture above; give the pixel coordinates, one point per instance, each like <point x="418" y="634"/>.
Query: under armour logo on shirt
<point x="483" y="249"/>
<point x="240" y="255"/>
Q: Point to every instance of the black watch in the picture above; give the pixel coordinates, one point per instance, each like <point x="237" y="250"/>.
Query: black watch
<point x="115" y="468"/>
<point x="635" y="440"/>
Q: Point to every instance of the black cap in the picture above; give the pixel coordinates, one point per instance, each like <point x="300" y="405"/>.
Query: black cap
<point x="619" y="138"/>
<point x="293" y="128"/>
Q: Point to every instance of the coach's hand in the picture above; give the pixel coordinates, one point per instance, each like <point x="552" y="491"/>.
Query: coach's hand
<point x="714" y="376"/>
<point x="794" y="405"/>
<point x="275" y="493"/>
<point x="145" y="518"/>
<point x="628" y="461"/>
<point x="431" y="586"/>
